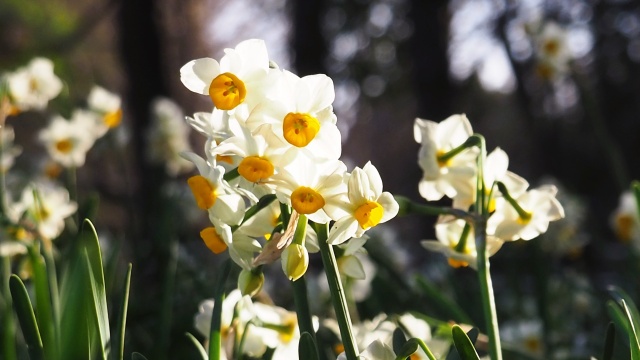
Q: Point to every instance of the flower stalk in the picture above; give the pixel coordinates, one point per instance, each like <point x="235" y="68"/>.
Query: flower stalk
<point x="484" y="275"/>
<point x="338" y="296"/>
<point x="215" y="337"/>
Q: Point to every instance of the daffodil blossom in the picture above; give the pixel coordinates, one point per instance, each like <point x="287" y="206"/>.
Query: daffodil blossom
<point x="9" y="150"/>
<point x="33" y="86"/>
<point x="495" y="169"/>
<point x="377" y="350"/>
<point x="69" y="141"/>
<point x="107" y="107"/>
<point x="537" y="208"/>
<point x="219" y="238"/>
<point x="450" y="234"/>
<point x="311" y="188"/>
<point x="260" y="158"/>
<point x="301" y="113"/>
<point x="367" y="205"/>
<point x="213" y="193"/>
<point x="238" y="78"/>
<point x="46" y="205"/>
<point x="453" y="176"/>
<point x="625" y="219"/>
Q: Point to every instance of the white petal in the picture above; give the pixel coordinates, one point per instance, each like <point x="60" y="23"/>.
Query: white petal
<point x="196" y="75"/>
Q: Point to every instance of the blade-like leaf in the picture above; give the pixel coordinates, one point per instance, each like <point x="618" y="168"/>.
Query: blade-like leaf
<point x="118" y="335"/>
<point x="617" y="313"/>
<point x="609" y="340"/>
<point x="307" y="347"/>
<point x="137" y="356"/>
<point x="463" y="344"/>
<point x="620" y="295"/>
<point x="94" y="257"/>
<point x="634" y="344"/>
<point x="198" y="346"/>
<point x="399" y="340"/>
<point x="26" y="317"/>
<point x="46" y="321"/>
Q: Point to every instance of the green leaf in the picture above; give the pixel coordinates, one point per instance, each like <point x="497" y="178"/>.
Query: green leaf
<point x="463" y="344"/>
<point x="118" y="335"/>
<point x="199" y="347"/>
<point x="450" y="307"/>
<point x="137" y="356"/>
<point x="94" y="257"/>
<point x="620" y="295"/>
<point x="24" y="310"/>
<point x="609" y="340"/>
<point x="307" y="347"/>
<point x="407" y="349"/>
<point x="399" y="340"/>
<point x="45" y="318"/>
<point x="618" y="313"/>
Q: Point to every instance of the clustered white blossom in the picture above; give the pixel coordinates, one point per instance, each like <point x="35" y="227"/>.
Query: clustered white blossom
<point x="449" y="162"/>
<point x="270" y="133"/>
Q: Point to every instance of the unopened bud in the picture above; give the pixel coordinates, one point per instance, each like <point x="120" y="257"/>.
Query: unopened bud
<point x="250" y="281"/>
<point x="295" y="260"/>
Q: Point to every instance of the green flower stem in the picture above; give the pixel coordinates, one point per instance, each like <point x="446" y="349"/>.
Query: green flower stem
<point x="409" y="207"/>
<point x="7" y="320"/>
<point x="522" y="213"/>
<point x="425" y="348"/>
<point x="484" y="276"/>
<point x="301" y="300"/>
<point x="215" y="335"/>
<point x="231" y="174"/>
<point x="473" y="140"/>
<point x="337" y="292"/>
<point x="5" y="105"/>
<point x="486" y="290"/>
<point x="300" y="286"/>
<point x="462" y="243"/>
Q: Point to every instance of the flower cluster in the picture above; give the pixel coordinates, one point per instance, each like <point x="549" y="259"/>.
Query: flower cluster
<point x="449" y="157"/>
<point x="273" y="134"/>
<point x="256" y="325"/>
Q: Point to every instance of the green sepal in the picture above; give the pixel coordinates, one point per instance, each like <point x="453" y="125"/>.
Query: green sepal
<point x="26" y="317"/>
<point x="609" y="341"/>
<point x="463" y="344"/>
<point x="307" y="348"/>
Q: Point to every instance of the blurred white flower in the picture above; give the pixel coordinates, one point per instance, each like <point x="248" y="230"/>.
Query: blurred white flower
<point x="9" y="150"/>
<point x="68" y="142"/>
<point x="32" y="86"/>
<point x="167" y="137"/>
<point x="625" y="219"/>
<point x="107" y="107"/>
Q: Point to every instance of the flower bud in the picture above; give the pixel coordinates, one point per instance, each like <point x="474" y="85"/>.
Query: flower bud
<point x="295" y="260"/>
<point x="250" y="281"/>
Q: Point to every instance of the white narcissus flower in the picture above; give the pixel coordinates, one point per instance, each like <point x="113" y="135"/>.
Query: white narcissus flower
<point x="537" y="208"/>
<point x="32" y="86"/>
<point x="454" y="176"/>
<point x="213" y="193"/>
<point x="46" y="205"/>
<point x="68" y="142"/>
<point x="450" y="234"/>
<point x="219" y="238"/>
<point x="9" y="150"/>
<point x="552" y="49"/>
<point x="301" y="113"/>
<point x="237" y="79"/>
<point x="311" y="188"/>
<point x="625" y="219"/>
<point x="107" y="107"/>
<point x="495" y="169"/>
<point x="168" y="136"/>
<point x="366" y="207"/>
<point x="377" y="350"/>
